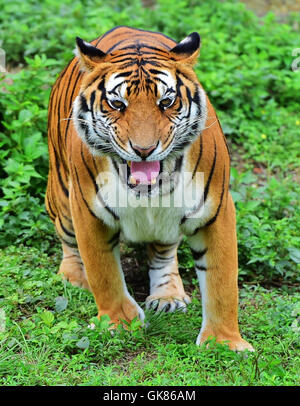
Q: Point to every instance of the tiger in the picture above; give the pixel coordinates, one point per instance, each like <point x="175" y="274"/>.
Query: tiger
<point x="128" y="117"/>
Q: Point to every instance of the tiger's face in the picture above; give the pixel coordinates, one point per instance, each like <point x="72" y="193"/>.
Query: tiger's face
<point x="139" y="105"/>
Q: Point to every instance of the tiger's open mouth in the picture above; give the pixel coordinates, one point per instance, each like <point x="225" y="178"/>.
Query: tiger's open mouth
<point x="149" y="177"/>
<point x="144" y="177"/>
<point x="143" y="173"/>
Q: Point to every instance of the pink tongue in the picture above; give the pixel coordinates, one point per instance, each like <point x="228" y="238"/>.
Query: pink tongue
<point x="143" y="172"/>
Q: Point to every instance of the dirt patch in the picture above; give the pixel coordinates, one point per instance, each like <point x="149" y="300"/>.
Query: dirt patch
<point x="134" y="264"/>
<point x="8" y="79"/>
<point x="282" y="8"/>
<point x="135" y="268"/>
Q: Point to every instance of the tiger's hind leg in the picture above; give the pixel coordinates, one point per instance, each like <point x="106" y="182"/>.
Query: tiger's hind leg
<point x="166" y="288"/>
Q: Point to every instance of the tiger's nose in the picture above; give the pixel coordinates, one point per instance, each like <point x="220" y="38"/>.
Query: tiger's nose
<point x="143" y="152"/>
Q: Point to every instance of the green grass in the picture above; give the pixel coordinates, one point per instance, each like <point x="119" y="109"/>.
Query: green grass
<point x="46" y="340"/>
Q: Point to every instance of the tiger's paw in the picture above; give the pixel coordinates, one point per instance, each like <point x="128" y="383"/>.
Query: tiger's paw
<point x="126" y="311"/>
<point x="167" y="304"/>
<point x="75" y="277"/>
<point x="235" y="343"/>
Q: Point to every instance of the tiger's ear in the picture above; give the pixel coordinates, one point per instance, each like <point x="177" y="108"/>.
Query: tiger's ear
<point x="88" y="55"/>
<point x="187" y="50"/>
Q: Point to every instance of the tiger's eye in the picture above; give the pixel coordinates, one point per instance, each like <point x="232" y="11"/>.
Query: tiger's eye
<point x="117" y="104"/>
<point x="165" y="103"/>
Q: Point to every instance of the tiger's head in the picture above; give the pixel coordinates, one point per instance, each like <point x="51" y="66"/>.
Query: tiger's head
<point x="141" y="103"/>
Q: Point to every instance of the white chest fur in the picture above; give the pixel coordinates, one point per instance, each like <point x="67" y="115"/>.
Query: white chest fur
<point x="157" y="218"/>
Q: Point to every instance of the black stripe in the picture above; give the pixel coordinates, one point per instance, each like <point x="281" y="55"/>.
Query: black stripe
<point x="187" y="78"/>
<point x="127" y="55"/>
<point x="114" y="46"/>
<point x="114" y="240"/>
<point x="224" y="138"/>
<point x="147" y="57"/>
<point x="69" y="244"/>
<point x="72" y="93"/>
<point x="106" y="33"/>
<point x="115" y="236"/>
<point x="213" y="219"/>
<point x="117" y="169"/>
<point x="157" y="267"/>
<point x="57" y="165"/>
<point x="57" y="109"/>
<point x="200" y="268"/>
<point x="83" y="104"/>
<point x="206" y="190"/>
<point x="68" y="85"/>
<point x="157" y="72"/>
<point x="92" y="101"/>
<point x="190" y="100"/>
<point x="102" y="89"/>
<point x="163" y="284"/>
<point x="226" y="144"/>
<point x="114" y="245"/>
<point x="139" y="45"/>
<point x="166" y="274"/>
<point x="50" y="210"/>
<point x="67" y="218"/>
<point x="199" y="157"/>
<point x="51" y="99"/>
<point x="106" y="207"/>
<point x="85" y="202"/>
<point x="91" y="82"/>
<point x="124" y="58"/>
<point x="165" y="244"/>
<point x="51" y="217"/>
<point x="59" y="79"/>
<point x="67" y="232"/>
<point x="68" y="123"/>
<point x="84" y="127"/>
<point x="132" y="62"/>
<point x="165" y="251"/>
<point x="198" y="254"/>
<point x="123" y="75"/>
<point x="74" y="87"/>
<point x="178" y="164"/>
<point x="179" y="83"/>
<point x="161" y="258"/>
<point x="71" y="101"/>
<point x="88" y="169"/>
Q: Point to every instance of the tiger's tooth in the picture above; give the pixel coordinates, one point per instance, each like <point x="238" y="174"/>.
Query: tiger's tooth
<point x="153" y="181"/>
<point x="129" y="163"/>
<point x="132" y="180"/>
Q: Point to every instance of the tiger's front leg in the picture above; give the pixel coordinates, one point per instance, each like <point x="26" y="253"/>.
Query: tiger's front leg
<point x="99" y="250"/>
<point x="166" y="288"/>
<point x="214" y="248"/>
